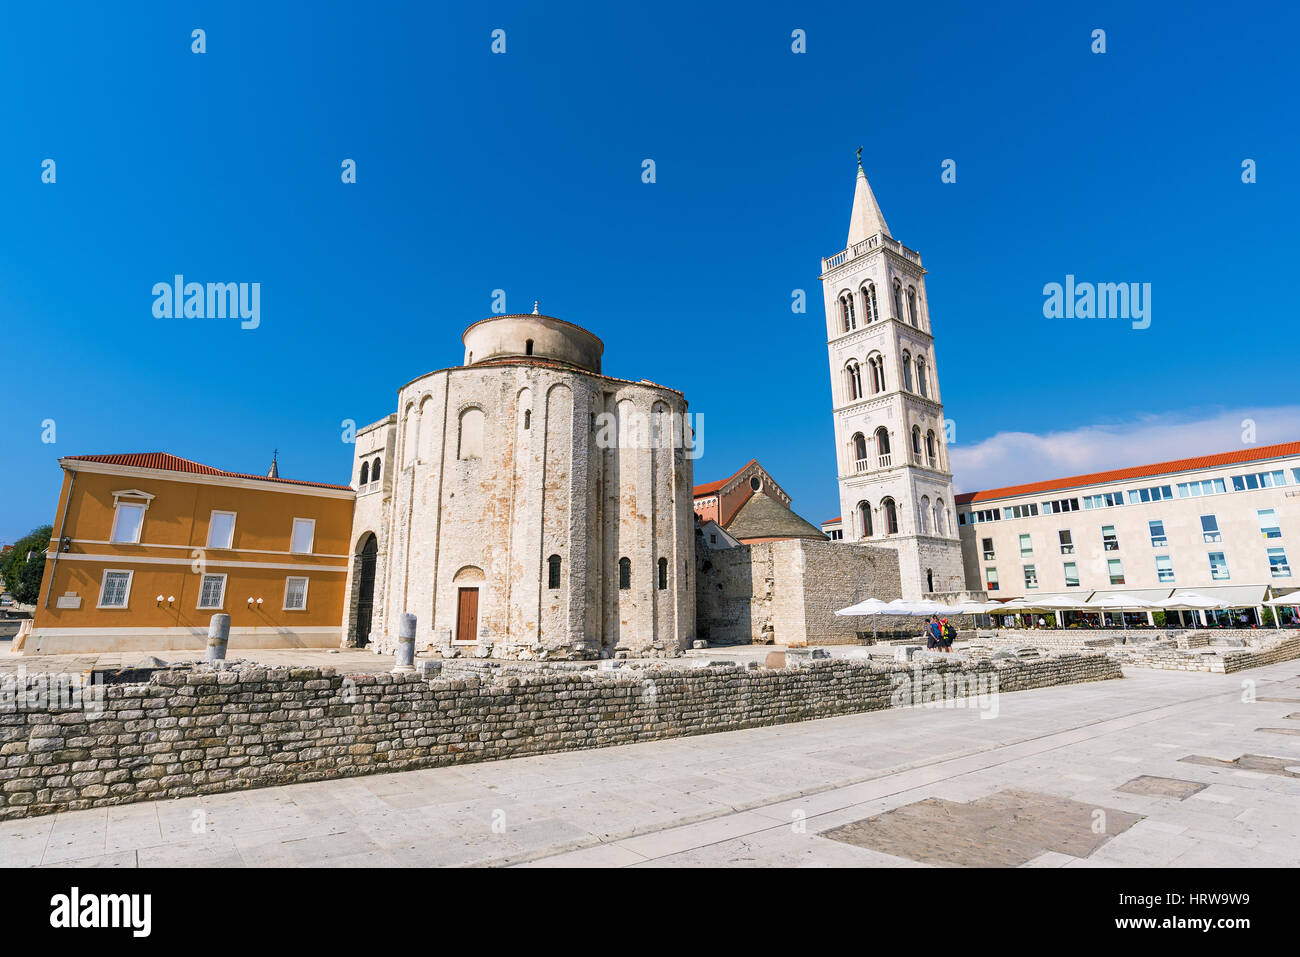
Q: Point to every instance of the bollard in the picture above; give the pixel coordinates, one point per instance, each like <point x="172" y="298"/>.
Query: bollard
<point x="405" y="644"/>
<point x="218" y="638"/>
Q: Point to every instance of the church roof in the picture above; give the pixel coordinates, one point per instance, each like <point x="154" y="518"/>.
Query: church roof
<point x="866" y="219"/>
<point x="708" y="488"/>
<point x="166" y="462"/>
<point x="763" y="517"/>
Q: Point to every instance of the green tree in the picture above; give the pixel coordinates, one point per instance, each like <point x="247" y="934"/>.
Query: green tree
<point x="24" y="566"/>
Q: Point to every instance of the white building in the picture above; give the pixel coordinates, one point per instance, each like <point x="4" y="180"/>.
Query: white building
<point x="895" y="486"/>
<point x="1224" y="525"/>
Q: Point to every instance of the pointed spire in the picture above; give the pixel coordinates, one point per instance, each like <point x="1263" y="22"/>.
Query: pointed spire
<point x="866" y="219"/>
<point x="536" y="306"/>
<point x="274" y="470"/>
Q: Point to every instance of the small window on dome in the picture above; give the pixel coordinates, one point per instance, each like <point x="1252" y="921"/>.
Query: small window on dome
<point x="528" y="347"/>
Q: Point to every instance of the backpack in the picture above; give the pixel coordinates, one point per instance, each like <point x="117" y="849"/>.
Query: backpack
<point x="949" y="632"/>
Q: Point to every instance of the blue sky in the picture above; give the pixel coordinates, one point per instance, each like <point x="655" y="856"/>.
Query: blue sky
<point x="522" y="172"/>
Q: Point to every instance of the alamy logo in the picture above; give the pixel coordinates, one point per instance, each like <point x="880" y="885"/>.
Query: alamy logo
<point x="1102" y="300"/>
<point x="179" y="299"/>
<point x="74" y="910"/>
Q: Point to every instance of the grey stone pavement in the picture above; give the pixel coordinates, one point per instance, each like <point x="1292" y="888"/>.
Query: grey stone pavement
<point x="768" y="796"/>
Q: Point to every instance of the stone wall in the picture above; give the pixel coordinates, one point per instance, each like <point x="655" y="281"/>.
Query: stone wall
<point x="1215" y="661"/>
<point x="787" y="592"/>
<point x="202" y="730"/>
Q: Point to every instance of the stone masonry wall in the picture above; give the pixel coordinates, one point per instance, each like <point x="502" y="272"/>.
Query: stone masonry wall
<point x="199" y="731"/>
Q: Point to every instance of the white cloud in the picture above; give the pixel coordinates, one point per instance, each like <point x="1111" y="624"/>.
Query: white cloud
<point x="1012" y="458"/>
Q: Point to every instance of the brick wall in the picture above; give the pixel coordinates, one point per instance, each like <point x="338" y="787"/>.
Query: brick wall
<point x="197" y="731"/>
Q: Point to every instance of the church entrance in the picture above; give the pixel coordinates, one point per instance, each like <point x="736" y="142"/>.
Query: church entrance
<point x="467" y="614"/>
<point x="366" y="590"/>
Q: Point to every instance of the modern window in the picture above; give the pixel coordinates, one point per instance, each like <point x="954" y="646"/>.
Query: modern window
<point x="1104" y="500"/>
<point x="1210" y="529"/>
<point x="1268" y="526"/>
<point x="1067" y="541"/>
<point x="1218" y="566"/>
<point x="624" y="573"/>
<point x="128" y="519"/>
<point x="221" y="528"/>
<point x="115" y="589"/>
<point x="1115" y="569"/>
<point x="304" y="536"/>
<point x="1164" y="568"/>
<point x="1158" y="537"/>
<point x="1071" y="574"/>
<point x="984" y="515"/>
<point x="1156" y="493"/>
<point x="1031" y="576"/>
<point x="212" y="591"/>
<point x="1020" y="511"/>
<point x="1061" y="505"/>
<point x="1109" y="541"/>
<point x="553" y="570"/>
<point x="663" y="574"/>
<point x="1241" y="483"/>
<point x="990" y="579"/>
<point x="986" y="545"/>
<point x="1026" y="545"/>
<point x="1205" y="487"/>
<point x="295" y="594"/>
<point x="1278" y="566"/>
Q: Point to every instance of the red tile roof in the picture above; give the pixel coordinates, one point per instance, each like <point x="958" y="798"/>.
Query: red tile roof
<point x="1141" y="471"/>
<point x="829" y="520"/>
<point x="708" y="488"/>
<point x="165" y="461"/>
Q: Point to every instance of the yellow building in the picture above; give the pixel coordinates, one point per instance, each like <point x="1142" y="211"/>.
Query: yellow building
<point x="147" y="547"/>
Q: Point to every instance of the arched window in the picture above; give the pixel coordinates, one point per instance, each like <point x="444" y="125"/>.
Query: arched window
<point x="923" y="516"/>
<point x="891" y="516"/>
<point x="374" y="471"/>
<point x="365" y="473"/>
<point x="929" y="579"/>
<point x="911" y="306"/>
<point x="939" y="524"/>
<point x="882" y="441"/>
<point x="528" y="347"/>
<point x="528" y="418"/>
<point x="663" y="573"/>
<point x="859" y="451"/>
<point x="870" y="310"/>
<point x="471" y="434"/>
<point x="920" y="377"/>
<point x="916" y="442"/>
<point x="898" y="299"/>
<point x="847" y="316"/>
<point x="624" y="573"/>
<point x="864" y="519"/>
<point x="853" y="380"/>
<point x="553" y="572"/>
<point x="876" y="368"/>
<point x="930" y="448"/>
<point x="907" y="371"/>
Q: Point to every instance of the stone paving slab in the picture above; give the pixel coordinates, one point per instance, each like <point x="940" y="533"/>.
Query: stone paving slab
<point x="763" y="796"/>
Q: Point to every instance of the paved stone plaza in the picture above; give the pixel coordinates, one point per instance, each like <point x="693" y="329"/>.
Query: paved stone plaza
<point x="1177" y="767"/>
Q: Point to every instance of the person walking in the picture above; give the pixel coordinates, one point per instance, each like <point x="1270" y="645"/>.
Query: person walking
<point x="949" y="635"/>
<point x="933" y="636"/>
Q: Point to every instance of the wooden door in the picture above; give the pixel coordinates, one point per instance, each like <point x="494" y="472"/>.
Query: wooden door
<point x="467" y="614"/>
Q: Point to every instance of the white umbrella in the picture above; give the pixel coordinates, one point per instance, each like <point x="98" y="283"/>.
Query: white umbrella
<point x="1290" y="598"/>
<point x="1191" y="601"/>
<point x="872" y="606"/>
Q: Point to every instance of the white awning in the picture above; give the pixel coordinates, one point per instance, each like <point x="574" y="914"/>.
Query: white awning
<point x="1228" y="596"/>
<point x="1157" y="595"/>
<point x="1290" y="598"/>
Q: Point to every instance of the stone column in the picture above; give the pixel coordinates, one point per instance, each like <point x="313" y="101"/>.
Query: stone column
<point x="218" y="638"/>
<point x="405" y="644"/>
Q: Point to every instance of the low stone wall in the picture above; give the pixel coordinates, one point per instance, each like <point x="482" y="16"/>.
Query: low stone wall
<point x="201" y="730"/>
<point x="1066" y="639"/>
<point x="1214" y="661"/>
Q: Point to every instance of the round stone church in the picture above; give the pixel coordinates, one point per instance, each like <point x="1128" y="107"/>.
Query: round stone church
<point x="524" y="505"/>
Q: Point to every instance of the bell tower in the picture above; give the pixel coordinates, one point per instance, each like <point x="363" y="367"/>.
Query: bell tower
<point x="890" y="448"/>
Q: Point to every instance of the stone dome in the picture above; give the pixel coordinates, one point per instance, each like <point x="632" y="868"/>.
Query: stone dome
<point x="532" y="336"/>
